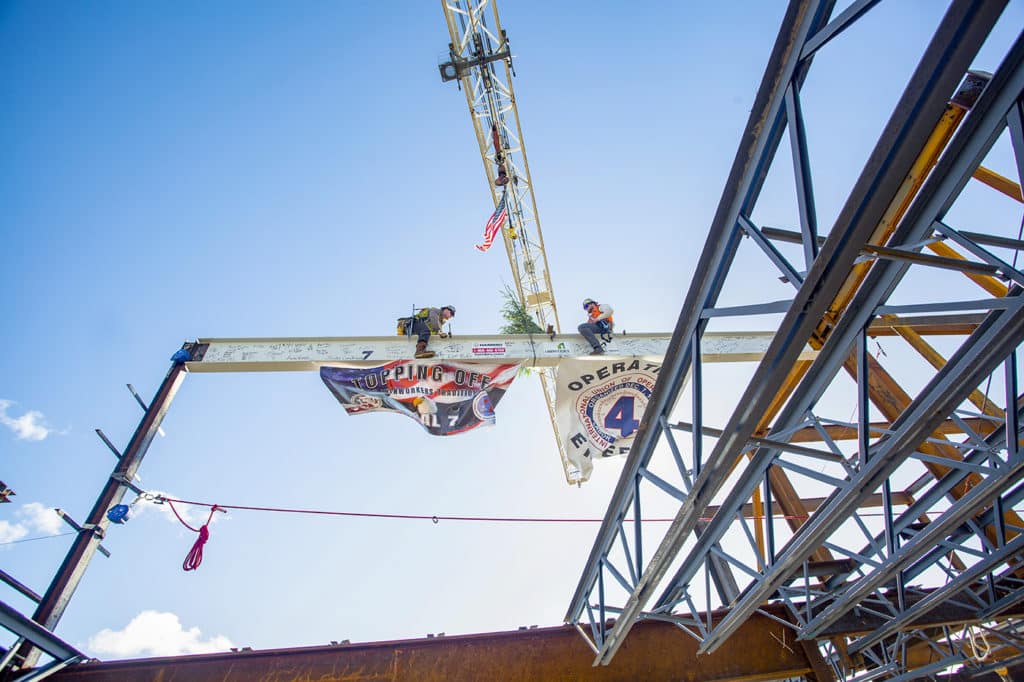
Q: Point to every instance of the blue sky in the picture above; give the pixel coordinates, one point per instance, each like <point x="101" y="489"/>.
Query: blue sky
<point x="173" y="171"/>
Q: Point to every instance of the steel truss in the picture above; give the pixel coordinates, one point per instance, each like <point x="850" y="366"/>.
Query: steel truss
<point x="911" y="590"/>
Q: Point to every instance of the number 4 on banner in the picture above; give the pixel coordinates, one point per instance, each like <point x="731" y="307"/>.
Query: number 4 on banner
<point x="621" y="417"/>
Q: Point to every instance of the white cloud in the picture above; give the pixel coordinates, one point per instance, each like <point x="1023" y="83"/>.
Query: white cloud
<point x="193" y="515"/>
<point x="154" y="633"/>
<point x="29" y="426"/>
<point x="41" y="519"/>
<point x="11" y="532"/>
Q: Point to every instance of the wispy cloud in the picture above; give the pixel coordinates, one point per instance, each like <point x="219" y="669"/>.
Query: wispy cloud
<point x="34" y="518"/>
<point x="154" y="633"/>
<point x="11" y="532"/>
<point x="29" y="426"/>
<point x="40" y="518"/>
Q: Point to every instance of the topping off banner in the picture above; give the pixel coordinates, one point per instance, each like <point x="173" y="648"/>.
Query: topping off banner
<point x="444" y="397"/>
<point x="598" y="405"/>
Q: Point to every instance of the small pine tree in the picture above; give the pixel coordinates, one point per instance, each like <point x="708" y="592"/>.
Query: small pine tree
<point x="515" y="314"/>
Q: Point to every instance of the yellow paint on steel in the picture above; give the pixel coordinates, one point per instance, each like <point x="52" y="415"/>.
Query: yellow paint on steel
<point x="924" y="164"/>
<point x="999" y="183"/>
<point x="809" y="434"/>
<point x="986" y="282"/>
<point x="883" y="390"/>
<point x="935" y="359"/>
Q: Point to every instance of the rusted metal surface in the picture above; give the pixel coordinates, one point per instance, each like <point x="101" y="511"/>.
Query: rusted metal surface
<point x="951" y="613"/>
<point x="935" y="359"/>
<point x="762" y="650"/>
<point x="927" y="325"/>
<point x="753" y="511"/>
<point x="809" y="434"/>
<point x="891" y="400"/>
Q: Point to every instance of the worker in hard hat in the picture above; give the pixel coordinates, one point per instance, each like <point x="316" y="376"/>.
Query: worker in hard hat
<point x="425" y="322"/>
<point x="599" y="321"/>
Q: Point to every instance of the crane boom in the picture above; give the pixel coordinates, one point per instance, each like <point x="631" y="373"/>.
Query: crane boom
<point x="481" y="62"/>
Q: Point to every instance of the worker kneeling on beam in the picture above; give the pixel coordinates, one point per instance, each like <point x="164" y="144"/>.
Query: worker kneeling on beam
<point x="599" y="321"/>
<point x="425" y="322"/>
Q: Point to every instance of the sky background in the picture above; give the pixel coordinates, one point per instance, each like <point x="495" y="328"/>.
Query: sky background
<point x="174" y="171"/>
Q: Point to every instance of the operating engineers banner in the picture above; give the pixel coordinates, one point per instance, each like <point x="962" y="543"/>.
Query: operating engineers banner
<point x="598" y="406"/>
<point x="446" y="398"/>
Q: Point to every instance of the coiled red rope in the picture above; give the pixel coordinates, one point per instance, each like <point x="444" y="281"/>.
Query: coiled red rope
<point x="195" y="555"/>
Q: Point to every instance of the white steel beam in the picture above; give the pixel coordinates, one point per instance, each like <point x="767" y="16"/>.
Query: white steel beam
<point x="311" y="353"/>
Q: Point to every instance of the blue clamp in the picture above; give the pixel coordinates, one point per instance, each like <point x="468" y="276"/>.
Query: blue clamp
<point x="181" y="357"/>
<point x="118" y="513"/>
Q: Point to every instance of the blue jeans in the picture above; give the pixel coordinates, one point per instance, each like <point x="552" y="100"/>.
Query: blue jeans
<point x="590" y="330"/>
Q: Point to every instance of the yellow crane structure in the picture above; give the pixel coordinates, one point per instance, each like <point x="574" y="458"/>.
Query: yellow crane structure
<point x="480" y="60"/>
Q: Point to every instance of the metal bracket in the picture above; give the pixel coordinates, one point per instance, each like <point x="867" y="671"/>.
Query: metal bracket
<point x="87" y="528"/>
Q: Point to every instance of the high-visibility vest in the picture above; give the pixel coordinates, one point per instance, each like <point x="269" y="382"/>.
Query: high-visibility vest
<point x="597" y="313"/>
<point x="609" y="321"/>
<point x="424" y="314"/>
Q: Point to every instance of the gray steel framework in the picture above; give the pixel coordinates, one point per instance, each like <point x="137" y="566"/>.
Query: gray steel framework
<point x="27" y="630"/>
<point x="881" y="595"/>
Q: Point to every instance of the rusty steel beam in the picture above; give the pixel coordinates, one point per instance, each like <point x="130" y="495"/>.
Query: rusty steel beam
<point x="753" y="511"/>
<point x="951" y="613"/>
<point x="809" y="434"/>
<point x="891" y="400"/>
<point x="795" y="513"/>
<point x="763" y="649"/>
<point x="927" y="325"/>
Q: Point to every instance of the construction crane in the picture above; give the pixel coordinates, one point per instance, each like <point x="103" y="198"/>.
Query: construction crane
<point x="480" y="60"/>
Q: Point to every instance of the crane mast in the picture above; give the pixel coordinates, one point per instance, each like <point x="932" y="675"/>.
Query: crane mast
<point x="481" y="62"/>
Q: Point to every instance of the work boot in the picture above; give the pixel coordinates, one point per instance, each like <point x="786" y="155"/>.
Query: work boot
<point x="421" y="350"/>
<point x="597" y="351"/>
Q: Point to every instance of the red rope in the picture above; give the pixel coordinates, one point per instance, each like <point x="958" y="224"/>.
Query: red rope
<point x="195" y="555"/>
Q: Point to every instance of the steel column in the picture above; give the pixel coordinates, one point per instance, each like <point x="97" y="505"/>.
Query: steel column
<point x="65" y="581"/>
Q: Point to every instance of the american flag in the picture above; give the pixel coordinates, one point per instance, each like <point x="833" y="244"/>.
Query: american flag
<point x="494" y="223"/>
